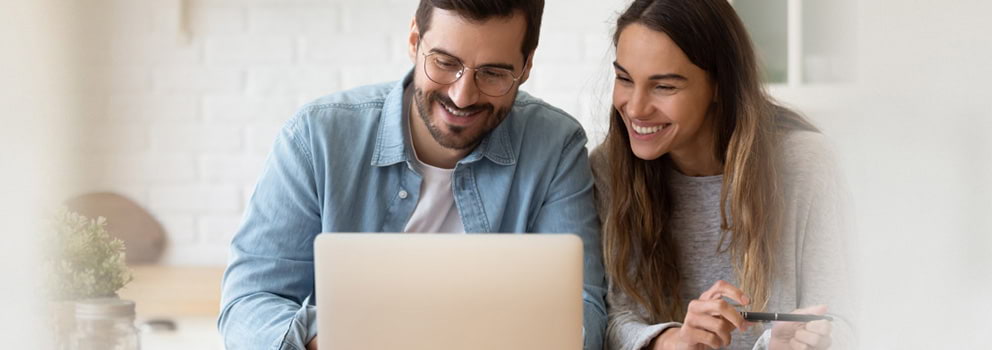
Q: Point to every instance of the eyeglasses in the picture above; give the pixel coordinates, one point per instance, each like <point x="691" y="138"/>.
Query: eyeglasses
<point x="491" y="81"/>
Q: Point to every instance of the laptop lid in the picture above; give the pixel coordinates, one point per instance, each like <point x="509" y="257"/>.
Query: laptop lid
<point x="445" y="291"/>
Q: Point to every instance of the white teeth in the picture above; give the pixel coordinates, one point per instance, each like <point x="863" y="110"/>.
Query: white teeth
<point x="457" y="113"/>
<point x="647" y="130"/>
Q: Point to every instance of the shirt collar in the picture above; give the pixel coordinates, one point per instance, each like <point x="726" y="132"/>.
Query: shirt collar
<point x="392" y="144"/>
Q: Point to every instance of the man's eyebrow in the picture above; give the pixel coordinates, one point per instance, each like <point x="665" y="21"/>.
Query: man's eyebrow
<point x="489" y="65"/>
<point x="668" y="76"/>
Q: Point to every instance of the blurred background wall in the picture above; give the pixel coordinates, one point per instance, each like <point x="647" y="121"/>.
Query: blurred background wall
<point x="175" y="103"/>
<point x="36" y="99"/>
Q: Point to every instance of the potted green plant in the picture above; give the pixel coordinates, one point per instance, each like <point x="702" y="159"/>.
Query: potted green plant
<point x="84" y="261"/>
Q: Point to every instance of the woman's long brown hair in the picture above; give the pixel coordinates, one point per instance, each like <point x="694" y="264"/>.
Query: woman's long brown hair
<point x="639" y="249"/>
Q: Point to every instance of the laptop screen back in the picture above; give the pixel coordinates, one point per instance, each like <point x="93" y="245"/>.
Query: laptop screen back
<point x="439" y="291"/>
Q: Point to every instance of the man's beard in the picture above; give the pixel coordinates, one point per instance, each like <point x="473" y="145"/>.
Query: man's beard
<point x="459" y="138"/>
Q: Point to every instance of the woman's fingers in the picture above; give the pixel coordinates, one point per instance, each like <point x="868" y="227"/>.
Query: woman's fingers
<point x="694" y="336"/>
<point x="785" y="330"/>
<point x="715" y="325"/>
<point x="821" y="327"/>
<point x="714" y="317"/>
<point x="815" y="334"/>
<point x="797" y="345"/>
<point x="813" y="340"/>
<point x="810" y="335"/>
<point x="710" y="319"/>
<point x="719" y="308"/>
<point x="816" y="339"/>
<point x="722" y="289"/>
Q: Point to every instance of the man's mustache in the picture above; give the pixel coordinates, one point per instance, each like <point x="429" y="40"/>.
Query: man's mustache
<point x="447" y="102"/>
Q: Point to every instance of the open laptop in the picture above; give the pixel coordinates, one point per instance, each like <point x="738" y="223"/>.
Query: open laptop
<point x="448" y="291"/>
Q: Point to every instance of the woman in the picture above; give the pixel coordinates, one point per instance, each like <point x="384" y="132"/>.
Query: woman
<point x="712" y="195"/>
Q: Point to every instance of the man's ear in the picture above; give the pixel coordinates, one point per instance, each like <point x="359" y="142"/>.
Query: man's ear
<point x="527" y="67"/>
<point x="413" y="41"/>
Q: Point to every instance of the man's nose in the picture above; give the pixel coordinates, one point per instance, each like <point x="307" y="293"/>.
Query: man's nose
<point x="464" y="92"/>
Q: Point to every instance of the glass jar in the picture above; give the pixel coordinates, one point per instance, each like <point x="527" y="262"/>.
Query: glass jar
<point x="105" y="324"/>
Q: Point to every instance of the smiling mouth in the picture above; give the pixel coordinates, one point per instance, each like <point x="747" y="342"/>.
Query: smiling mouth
<point x="648" y="130"/>
<point x="459" y="112"/>
<point x="450" y="107"/>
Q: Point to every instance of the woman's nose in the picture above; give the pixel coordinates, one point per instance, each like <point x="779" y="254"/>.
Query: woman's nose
<point x="638" y="106"/>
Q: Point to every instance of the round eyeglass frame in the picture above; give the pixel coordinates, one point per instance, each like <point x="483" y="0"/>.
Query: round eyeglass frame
<point x="461" y="72"/>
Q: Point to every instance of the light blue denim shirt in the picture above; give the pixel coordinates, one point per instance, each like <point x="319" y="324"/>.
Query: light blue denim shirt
<point x="343" y="164"/>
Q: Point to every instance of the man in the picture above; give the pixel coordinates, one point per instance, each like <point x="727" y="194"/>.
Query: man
<point x="454" y="147"/>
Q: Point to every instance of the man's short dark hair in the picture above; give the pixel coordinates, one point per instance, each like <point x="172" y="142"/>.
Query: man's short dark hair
<point x="481" y="10"/>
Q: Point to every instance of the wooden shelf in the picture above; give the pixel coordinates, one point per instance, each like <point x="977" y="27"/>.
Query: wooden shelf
<point x="174" y="291"/>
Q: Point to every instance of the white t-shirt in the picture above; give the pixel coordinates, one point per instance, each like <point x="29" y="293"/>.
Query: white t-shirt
<point x="436" y="211"/>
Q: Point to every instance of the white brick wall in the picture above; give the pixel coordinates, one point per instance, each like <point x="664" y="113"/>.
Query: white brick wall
<point x="184" y="118"/>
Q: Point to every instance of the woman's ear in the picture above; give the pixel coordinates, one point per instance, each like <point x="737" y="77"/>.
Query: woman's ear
<point x="413" y="41"/>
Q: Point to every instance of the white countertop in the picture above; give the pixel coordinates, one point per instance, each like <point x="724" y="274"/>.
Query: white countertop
<point x="191" y="333"/>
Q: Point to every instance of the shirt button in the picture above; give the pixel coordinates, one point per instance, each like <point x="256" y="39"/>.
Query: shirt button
<point x="403" y="194"/>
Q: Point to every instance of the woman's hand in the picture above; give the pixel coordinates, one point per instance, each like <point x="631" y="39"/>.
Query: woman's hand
<point x="802" y="336"/>
<point x="708" y="321"/>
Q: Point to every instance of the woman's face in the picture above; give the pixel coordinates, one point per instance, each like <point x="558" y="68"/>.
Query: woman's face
<point x="663" y="97"/>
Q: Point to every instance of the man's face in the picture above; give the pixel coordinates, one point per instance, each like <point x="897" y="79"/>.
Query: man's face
<point x="459" y="115"/>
